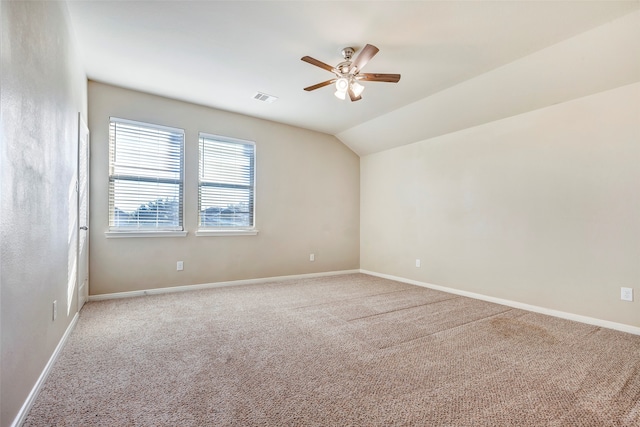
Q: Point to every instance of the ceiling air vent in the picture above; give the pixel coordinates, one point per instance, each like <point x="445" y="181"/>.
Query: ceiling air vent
<point x="264" y="97"/>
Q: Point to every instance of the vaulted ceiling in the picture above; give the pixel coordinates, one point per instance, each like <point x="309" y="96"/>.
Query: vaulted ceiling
<point x="462" y="62"/>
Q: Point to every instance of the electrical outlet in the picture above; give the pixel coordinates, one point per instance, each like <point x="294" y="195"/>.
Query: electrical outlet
<point x="180" y="266"/>
<point x="312" y="257"/>
<point x="418" y="263"/>
<point x="626" y="294"/>
<point x="55" y="309"/>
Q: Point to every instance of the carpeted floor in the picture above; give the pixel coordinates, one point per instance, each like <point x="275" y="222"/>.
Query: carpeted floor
<point x="350" y="350"/>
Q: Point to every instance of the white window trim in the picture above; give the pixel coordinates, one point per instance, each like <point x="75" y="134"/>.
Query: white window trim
<point x="210" y="232"/>
<point x="137" y="233"/>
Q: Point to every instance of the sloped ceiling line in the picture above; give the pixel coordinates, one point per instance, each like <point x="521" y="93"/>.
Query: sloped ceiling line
<point x="597" y="60"/>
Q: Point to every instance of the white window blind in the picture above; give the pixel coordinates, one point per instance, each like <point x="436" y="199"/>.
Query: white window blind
<point x="145" y="176"/>
<point x="226" y="183"/>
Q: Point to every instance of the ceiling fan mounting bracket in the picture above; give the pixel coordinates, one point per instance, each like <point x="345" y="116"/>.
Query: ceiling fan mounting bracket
<point x="347" y="53"/>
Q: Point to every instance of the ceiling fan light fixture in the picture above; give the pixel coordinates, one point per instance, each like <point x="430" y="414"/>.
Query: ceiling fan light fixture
<point x="357" y="88"/>
<point x="342" y="85"/>
<point x="341" y="95"/>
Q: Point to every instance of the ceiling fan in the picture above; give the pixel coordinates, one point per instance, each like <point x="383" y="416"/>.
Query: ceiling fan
<point x="348" y="75"/>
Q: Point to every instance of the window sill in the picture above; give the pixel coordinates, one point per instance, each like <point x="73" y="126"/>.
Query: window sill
<point x="125" y="234"/>
<point x="204" y="233"/>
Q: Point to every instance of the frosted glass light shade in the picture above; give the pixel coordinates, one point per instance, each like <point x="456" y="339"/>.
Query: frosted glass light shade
<point x="342" y="85"/>
<point x="357" y="88"/>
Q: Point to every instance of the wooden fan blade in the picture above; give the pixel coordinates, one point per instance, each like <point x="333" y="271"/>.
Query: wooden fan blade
<point x="364" y="56"/>
<point x="353" y="96"/>
<point x="377" y="77"/>
<point x="317" y="63"/>
<point x="319" y="85"/>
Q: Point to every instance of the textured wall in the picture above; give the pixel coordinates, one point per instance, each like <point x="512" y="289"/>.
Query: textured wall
<point x="541" y="208"/>
<point x="307" y="201"/>
<point x="43" y="89"/>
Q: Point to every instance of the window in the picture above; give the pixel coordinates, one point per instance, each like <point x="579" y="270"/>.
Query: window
<point x="226" y="184"/>
<point x="145" y="177"/>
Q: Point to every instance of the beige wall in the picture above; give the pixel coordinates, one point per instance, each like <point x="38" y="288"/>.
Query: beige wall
<point x="43" y="89"/>
<point x="541" y="208"/>
<point x="307" y="201"/>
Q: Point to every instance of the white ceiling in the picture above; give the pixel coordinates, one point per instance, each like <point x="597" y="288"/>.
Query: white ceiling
<point x="220" y="53"/>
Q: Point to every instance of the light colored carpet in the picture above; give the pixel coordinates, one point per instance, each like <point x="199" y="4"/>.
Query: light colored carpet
<point x="350" y="350"/>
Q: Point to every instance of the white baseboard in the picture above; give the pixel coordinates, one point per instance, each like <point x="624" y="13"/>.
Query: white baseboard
<point x="24" y="411"/>
<point x="184" y="288"/>
<point x="537" y="309"/>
